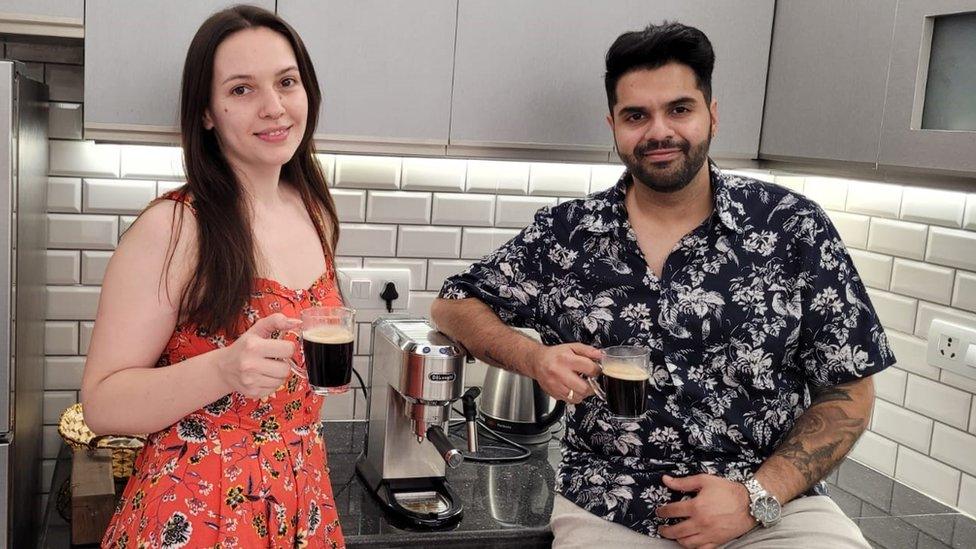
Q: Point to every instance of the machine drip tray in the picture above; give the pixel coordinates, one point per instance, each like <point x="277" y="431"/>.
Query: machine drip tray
<point x="419" y="503"/>
<point x="422" y="503"/>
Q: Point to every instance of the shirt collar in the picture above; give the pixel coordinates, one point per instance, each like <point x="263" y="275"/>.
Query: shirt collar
<point x="728" y="210"/>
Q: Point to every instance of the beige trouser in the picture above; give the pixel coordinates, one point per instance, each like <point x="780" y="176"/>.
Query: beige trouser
<point x="811" y="522"/>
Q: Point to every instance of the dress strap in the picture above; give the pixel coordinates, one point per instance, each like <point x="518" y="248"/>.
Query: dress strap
<point x="180" y="195"/>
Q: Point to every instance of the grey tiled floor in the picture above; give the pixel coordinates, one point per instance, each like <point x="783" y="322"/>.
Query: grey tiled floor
<point x="893" y="516"/>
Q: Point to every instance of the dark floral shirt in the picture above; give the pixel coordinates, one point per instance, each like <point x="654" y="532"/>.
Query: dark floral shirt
<point x="757" y="307"/>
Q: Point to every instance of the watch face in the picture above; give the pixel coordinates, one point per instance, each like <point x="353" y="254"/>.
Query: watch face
<point x="766" y="509"/>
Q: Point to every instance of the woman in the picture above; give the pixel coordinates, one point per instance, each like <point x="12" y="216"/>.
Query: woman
<point x="186" y="342"/>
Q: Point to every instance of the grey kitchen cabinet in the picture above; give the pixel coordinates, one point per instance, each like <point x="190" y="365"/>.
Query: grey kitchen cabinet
<point x="530" y="74"/>
<point x="134" y="54"/>
<point x="63" y="18"/>
<point x="826" y="84"/>
<point x="385" y="67"/>
<point x="904" y="142"/>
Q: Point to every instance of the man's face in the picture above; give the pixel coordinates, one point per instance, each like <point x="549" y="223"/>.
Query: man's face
<point x="662" y="126"/>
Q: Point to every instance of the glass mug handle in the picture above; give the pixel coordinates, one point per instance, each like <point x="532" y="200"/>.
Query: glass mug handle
<point x="596" y="386"/>
<point x="291" y="363"/>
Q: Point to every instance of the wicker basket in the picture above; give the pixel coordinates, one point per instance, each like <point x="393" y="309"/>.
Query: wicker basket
<point x="73" y="430"/>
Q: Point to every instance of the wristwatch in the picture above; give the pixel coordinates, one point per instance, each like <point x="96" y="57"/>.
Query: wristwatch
<point x="763" y="506"/>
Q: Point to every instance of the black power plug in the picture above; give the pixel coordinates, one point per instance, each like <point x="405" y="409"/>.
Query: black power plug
<point x="388" y="295"/>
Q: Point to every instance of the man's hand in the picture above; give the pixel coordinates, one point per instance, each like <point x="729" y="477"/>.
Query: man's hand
<point x="558" y="369"/>
<point x="717" y="514"/>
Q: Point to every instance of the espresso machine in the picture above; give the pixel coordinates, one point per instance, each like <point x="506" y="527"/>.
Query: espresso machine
<point x="416" y="376"/>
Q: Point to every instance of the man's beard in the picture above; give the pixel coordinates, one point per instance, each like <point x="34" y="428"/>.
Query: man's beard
<point x="670" y="176"/>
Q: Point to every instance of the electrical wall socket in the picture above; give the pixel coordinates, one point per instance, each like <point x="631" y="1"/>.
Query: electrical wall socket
<point x="952" y="347"/>
<point x="361" y="288"/>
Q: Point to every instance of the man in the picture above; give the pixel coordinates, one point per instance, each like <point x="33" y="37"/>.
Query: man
<point x="761" y="334"/>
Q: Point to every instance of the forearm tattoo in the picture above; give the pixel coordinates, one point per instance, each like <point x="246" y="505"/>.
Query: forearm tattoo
<point x="822" y="435"/>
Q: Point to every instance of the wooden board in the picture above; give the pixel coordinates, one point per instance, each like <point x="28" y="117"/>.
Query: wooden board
<point x="92" y="495"/>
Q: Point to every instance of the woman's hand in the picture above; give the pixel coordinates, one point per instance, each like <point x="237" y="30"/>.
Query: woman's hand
<point x="253" y="365"/>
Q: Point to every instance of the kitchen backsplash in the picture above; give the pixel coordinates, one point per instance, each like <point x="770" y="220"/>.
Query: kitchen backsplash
<point x="915" y="249"/>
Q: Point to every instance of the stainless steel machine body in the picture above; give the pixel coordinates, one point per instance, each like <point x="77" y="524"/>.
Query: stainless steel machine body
<point x="416" y="375"/>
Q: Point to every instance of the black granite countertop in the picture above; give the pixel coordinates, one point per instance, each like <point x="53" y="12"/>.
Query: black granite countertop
<point x="505" y="505"/>
<point x="509" y="505"/>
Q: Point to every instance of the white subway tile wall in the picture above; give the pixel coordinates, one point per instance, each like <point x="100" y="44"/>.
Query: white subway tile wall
<point x="441" y="269"/>
<point x="967" y="495"/>
<point x="964" y="292"/>
<point x="366" y="172"/>
<point x="898" y="238"/>
<point x="493" y="177"/>
<point x="117" y="195"/>
<point x="350" y="205"/>
<point x="895" y="311"/>
<point x="145" y="162"/>
<point x="829" y="192"/>
<point x="603" y="177"/>
<point x="63" y="266"/>
<point x="933" y="207"/>
<point x="398" y="207"/>
<point x="914" y="247"/>
<point x="877" y="452"/>
<point x="64" y="194"/>
<point x="418" y="269"/>
<point x="874" y="269"/>
<point x="901" y="425"/>
<point x="477" y="243"/>
<point x="928" y="475"/>
<point x="937" y="401"/>
<point x="463" y="209"/>
<point x="519" y="211"/>
<point x="93" y="265"/>
<point x="559" y="180"/>
<point x="952" y="247"/>
<point x="433" y="174"/>
<point x="910" y="352"/>
<point x="922" y="280"/>
<point x="969" y="218"/>
<point x="890" y="385"/>
<point x="876" y="199"/>
<point x="957" y="448"/>
<point x="429" y="241"/>
<point x="793" y="182"/>
<point x="853" y="228"/>
<point x="60" y="338"/>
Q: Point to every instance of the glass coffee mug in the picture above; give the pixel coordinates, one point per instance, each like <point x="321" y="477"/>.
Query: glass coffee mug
<point x="327" y="344"/>
<point x="624" y="376"/>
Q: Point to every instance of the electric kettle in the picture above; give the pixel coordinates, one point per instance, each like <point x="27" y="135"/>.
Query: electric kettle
<point x="516" y="406"/>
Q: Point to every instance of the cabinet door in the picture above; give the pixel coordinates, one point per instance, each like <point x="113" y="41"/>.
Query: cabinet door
<point x="530" y="74"/>
<point x="134" y="54"/>
<point x="384" y="66"/>
<point x="73" y="9"/>
<point x="63" y="18"/>
<point x="827" y="70"/>
<point x="903" y="142"/>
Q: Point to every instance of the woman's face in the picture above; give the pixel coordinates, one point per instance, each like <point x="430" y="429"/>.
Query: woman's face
<point x="258" y="106"/>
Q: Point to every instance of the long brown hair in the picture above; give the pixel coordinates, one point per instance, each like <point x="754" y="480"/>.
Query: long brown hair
<point x="223" y="278"/>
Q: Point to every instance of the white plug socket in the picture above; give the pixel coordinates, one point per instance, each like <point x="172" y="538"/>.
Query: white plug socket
<point x="952" y="347"/>
<point x="361" y="288"/>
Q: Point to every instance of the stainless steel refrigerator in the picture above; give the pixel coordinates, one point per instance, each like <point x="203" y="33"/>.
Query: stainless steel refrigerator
<point x="23" y="237"/>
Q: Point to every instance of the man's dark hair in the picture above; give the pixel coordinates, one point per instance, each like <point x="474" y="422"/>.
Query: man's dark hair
<point x="656" y="46"/>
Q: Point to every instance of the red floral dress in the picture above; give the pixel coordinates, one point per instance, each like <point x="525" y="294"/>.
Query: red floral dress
<point x="238" y="472"/>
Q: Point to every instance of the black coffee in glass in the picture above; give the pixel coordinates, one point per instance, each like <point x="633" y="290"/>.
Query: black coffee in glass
<point x="328" y="358"/>
<point x="625" y="387"/>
